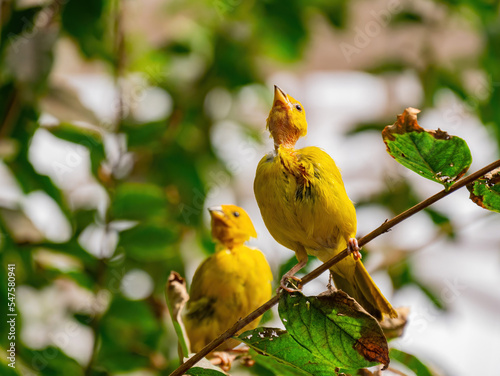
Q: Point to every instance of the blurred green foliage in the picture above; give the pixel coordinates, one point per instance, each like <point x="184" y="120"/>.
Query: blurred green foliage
<point x="230" y="42"/>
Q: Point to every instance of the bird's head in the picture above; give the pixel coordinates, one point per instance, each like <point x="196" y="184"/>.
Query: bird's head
<point x="231" y="225"/>
<point x="287" y="119"/>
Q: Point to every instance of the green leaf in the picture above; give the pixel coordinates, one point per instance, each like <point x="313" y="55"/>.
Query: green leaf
<point x="366" y="127"/>
<point x="280" y="345"/>
<point x="149" y="242"/>
<point x="28" y="178"/>
<point x="81" y="278"/>
<point x="443" y="221"/>
<point x="138" y="201"/>
<point x="118" y="361"/>
<point x="438" y="302"/>
<point x="18" y="27"/>
<point x="86" y="23"/>
<point x="146" y="136"/>
<point x="402" y="274"/>
<point x="336" y="328"/>
<point x="336" y="12"/>
<point x="405" y="17"/>
<point x="411" y="362"/>
<point x="204" y="368"/>
<point x="276" y="367"/>
<point x="434" y="155"/>
<point x="282" y="30"/>
<point x="485" y="191"/>
<point x="130" y="333"/>
<point x="198" y="371"/>
<point x="51" y="361"/>
<point x="5" y="369"/>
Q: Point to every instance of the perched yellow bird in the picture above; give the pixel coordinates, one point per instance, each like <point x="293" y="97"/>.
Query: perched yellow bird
<point x="228" y="285"/>
<point x="305" y="207"/>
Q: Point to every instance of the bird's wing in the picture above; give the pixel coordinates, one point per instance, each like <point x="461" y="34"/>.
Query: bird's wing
<point x="321" y="204"/>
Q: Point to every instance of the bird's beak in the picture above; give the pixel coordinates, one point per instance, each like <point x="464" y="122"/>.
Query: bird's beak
<point x="280" y="96"/>
<point x="216" y="212"/>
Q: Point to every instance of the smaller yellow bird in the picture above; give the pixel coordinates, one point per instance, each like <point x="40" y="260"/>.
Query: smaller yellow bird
<point x="228" y="285"/>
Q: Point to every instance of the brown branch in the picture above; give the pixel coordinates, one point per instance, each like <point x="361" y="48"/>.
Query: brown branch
<point x="240" y="324"/>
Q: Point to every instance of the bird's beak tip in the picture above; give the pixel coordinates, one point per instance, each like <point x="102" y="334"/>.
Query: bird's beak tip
<point x="216" y="212"/>
<point x="280" y="95"/>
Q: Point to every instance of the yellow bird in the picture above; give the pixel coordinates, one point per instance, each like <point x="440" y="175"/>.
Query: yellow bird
<point x="228" y="285"/>
<point x="305" y="207"/>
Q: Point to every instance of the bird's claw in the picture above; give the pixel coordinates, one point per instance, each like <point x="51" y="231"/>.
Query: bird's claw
<point x="222" y="359"/>
<point x="287" y="279"/>
<point x="353" y="248"/>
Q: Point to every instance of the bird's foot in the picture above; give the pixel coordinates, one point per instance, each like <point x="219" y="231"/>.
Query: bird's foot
<point x="286" y="279"/>
<point x="353" y="248"/>
<point x="289" y="276"/>
<point x="222" y="359"/>
<point x="247" y="361"/>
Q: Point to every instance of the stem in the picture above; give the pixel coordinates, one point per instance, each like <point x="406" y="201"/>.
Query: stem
<point x="240" y="324"/>
<point x="95" y="347"/>
<point x="119" y="47"/>
<point x="96" y="323"/>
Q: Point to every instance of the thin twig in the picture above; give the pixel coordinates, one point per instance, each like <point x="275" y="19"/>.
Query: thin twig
<point x="118" y="70"/>
<point x="240" y="324"/>
<point x="119" y="47"/>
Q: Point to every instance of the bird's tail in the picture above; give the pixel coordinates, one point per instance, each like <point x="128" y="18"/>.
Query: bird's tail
<point x="361" y="287"/>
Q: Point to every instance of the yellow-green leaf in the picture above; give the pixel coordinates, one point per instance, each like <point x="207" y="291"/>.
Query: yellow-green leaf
<point x="411" y="362"/>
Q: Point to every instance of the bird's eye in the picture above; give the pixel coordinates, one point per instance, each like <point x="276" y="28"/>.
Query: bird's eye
<point x="298" y="107"/>
<point x="236" y="214"/>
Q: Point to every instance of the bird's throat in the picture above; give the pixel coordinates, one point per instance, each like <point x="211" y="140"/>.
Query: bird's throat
<point x="286" y="139"/>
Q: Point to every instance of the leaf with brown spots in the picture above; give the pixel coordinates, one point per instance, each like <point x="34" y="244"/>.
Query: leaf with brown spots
<point x="434" y="155"/>
<point x="485" y="191"/>
<point x="335" y="327"/>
